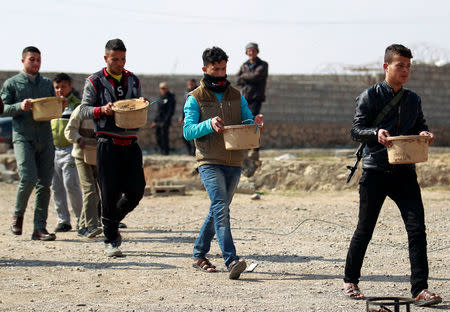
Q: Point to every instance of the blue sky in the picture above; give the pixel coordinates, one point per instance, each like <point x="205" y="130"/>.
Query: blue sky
<point x="168" y="37"/>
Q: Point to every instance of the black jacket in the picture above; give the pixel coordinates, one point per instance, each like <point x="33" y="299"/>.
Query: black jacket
<point x="99" y="90"/>
<point x="405" y="119"/>
<point x="166" y="108"/>
<point x="252" y="80"/>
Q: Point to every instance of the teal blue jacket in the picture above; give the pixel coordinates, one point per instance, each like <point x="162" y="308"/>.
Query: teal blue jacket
<point x="14" y="91"/>
<point x="192" y="129"/>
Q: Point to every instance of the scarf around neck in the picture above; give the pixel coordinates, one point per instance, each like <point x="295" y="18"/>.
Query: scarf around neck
<point x="216" y="84"/>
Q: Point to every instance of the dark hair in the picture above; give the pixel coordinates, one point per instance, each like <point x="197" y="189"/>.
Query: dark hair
<point x="192" y="80"/>
<point x="396" y="49"/>
<point x="30" y="49"/>
<point x="115" y="45"/>
<point x="62" y="77"/>
<point x="213" y="55"/>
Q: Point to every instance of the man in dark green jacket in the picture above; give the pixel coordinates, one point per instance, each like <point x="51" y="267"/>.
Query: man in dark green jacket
<point x="33" y="142"/>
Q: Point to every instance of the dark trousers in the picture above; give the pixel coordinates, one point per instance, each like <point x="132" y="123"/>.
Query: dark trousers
<point x="121" y="181"/>
<point x="254" y="106"/>
<point x="402" y="187"/>
<point x="162" y="138"/>
<point x="190" y="147"/>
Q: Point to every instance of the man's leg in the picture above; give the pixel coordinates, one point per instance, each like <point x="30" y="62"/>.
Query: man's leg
<point x="408" y="198"/>
<point x="165" y="139"/>
<point x="88" y="183"/>
<point x="202" y="244"/>
<point x="59" y="192"/>
<point x="26" y="165"/>
<point x="45" y="167"/>
<point x="372" y="194"/>
<point x="108" y="164"/>
<point x="159" y="139"/>
<point x="133" y="181"/>
<point x="72" y="183"/>
<point x="220" y="182"/>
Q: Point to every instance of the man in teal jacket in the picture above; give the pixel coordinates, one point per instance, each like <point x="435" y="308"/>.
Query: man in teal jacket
<point x="33" y="142"/>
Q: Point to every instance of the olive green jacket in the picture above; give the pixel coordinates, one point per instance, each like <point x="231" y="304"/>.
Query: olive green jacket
<point x="14" y="91"/>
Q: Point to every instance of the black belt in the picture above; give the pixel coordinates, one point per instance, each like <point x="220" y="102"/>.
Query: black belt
<point x="118" y="141"/>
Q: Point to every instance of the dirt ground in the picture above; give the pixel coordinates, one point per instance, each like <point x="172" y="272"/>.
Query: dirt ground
<point x="298" y="239"/>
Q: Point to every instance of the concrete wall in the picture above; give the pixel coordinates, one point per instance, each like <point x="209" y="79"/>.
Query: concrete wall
<point x="307" y="110"/>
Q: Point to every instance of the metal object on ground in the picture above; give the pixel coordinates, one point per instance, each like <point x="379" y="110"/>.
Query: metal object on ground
<point x="166" y="188"/>
<point x="387" y="304"/>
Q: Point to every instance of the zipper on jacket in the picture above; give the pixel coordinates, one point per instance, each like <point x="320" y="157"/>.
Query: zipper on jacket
<point x="399" y="114"/>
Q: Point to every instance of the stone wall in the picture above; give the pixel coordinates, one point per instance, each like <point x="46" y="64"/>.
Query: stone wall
<point x="307" y="110"/>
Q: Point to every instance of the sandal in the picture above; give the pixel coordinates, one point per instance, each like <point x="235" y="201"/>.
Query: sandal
<point x="236" y="268"/>
<point x="352" y="291"/>
<point x="204" y="265"/>
<point x="426" y="298"/>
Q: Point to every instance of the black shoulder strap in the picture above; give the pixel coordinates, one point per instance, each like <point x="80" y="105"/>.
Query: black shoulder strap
<point x="395" y="100"/>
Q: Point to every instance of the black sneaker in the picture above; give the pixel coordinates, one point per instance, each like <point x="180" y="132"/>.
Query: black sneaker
<point x="82" y="232"/>
<point x="122" y="225"/>
<point x="91" y="232"/>
<point x="63" y="227"/>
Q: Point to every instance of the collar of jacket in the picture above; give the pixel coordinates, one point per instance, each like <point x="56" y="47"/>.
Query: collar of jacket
<point x="125" y="74"/>
<point x="258" y="61"/>
<point x="25" y="78"/>
<point x="389" y="88"/>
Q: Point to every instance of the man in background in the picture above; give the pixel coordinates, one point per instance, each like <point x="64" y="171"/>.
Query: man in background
<point x="191" y="85"/>
<point x="163" y="118"/>
<point x="65" y="184"/>
<point x="252" y="78"/>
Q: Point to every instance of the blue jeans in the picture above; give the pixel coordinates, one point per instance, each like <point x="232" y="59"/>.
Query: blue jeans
<point x="220" y="182"/>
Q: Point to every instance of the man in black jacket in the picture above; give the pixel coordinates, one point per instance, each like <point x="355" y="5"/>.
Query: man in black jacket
<point x="252" y="78"/>
<point x="119" y="158"/>
<point x="163" y="118"/>
<point x="381" y="179"/>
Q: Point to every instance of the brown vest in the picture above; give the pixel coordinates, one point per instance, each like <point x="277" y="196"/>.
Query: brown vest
<point x="210" y="149"/>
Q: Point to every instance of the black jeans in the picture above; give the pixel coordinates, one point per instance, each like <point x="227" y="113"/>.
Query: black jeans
<point x="402" y="187"/>
<point x="254" y="106"/>
<point x="121" y="181"/>
<point x="162" y="138"/>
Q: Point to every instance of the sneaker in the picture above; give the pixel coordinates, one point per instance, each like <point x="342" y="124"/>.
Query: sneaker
<point x="236" y="268"/>
<point x="122" y="225"/>
<point x="63" y="227"/>
<point x="82" y="232"/>
<point x="112" y="250"/>
<point x="93" y="231"/>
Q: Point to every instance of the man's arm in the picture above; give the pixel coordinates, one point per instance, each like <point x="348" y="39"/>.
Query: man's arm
<point x="71" y="132"/>
<point x="240" y="81"/>
<point x="11" y="107"/>
<point x="362" y="129"/>
<point x="88" y="101"/>
<point x="260" y="73"/>
<point x="171" y="108"/>
<point x="192" y="129"/>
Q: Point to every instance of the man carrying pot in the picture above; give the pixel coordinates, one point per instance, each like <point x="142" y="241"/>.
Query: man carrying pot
<point x="33" y="142"/>
<point x="119" y="157"/>
<point x="208" y="109"/>
<point x="383" y="110"/>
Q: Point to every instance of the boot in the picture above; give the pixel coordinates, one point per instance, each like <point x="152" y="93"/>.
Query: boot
<point x="16" y="225"/>
<point x="43" y="235"/>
